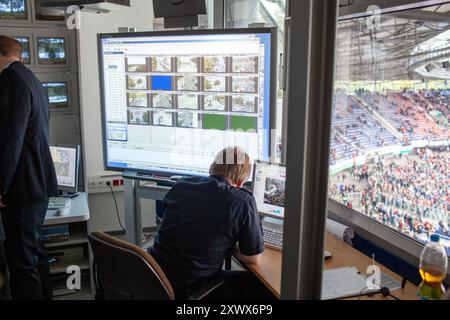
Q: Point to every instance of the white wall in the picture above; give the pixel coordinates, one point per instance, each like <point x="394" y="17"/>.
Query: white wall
<point x="140" y="16"/>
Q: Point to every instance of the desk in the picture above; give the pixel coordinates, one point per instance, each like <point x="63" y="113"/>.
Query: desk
<point x="77" y="217"/>
<point x="77" y="212"/>
<point x="269" y="269"/>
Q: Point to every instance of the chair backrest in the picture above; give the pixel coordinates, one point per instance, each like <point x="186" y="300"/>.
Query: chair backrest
<point x="127" y="272"/>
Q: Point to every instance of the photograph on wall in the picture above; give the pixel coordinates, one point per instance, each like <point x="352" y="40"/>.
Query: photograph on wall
<point x="161" y="64"/>
<point x="162" y="100"/>
<point x="245" y="64"/>
<point x="215" y="84"/>
<point x="137" y="82"/>
<point x="138" y="116"/>
<point x="13" y="9"/>
<point x="57" y="95"/>
<point x="274" y="192"/>
<point x="138" y="99"/>
<point x="187" y="64"/>
<point x="246" y="84"/>
<point x="161" y="118"/>
<point x="245" y="103"/>
<point x="188" y="120"/>
<point x="136" y="64"/>
<point x="187" y="83"/>
<point x="214" y="64"/>
<point x="215" y="102"/>
<point x="188" y="101"/>
<point x="51" y="51"/>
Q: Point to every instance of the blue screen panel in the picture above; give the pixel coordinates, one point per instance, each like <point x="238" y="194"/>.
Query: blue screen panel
<point x="162" y="83"/>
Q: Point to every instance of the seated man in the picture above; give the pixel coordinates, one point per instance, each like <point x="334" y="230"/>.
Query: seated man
<point x="204" y="219"/>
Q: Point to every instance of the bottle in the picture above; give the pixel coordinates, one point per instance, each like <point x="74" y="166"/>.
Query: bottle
<point x="433" y="269"/>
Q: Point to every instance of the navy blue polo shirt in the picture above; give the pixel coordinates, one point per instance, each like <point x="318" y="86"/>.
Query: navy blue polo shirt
<point x="204" y="219"/>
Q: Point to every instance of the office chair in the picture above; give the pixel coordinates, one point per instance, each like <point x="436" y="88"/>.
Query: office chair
<point x="123" y="271"/>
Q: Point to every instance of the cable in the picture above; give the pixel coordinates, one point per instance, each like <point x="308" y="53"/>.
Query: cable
<point x="387" y="293"/>
<point x="115" y="203"/>
<point x="384" y="291"/>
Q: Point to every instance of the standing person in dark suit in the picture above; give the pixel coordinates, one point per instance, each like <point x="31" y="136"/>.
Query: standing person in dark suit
<point x="4" y="281"/>
<point x="27" y="173"/>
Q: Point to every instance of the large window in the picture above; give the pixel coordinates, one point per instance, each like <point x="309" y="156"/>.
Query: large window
<point x="390" y="143"/>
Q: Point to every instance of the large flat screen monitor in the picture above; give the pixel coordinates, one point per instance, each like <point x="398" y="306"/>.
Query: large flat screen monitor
<point x="172" y="100"/>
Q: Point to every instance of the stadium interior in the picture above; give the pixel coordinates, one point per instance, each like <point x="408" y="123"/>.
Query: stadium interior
<point x="390" y="154"/>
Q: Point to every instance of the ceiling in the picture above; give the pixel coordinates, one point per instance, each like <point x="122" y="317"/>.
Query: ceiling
<point x="391" y="46"/>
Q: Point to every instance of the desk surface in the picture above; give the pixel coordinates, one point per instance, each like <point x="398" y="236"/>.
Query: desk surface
<point x="344" y="255"/>
<point x="77" y="212"/>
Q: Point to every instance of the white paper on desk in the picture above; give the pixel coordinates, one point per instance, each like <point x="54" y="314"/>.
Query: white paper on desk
<point x="339" y="230"/>
<point x="343" y="282"/>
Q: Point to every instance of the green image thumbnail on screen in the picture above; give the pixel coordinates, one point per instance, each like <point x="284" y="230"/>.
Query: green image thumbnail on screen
<point x="237" y="123"/>
<point x="244" y="123"/>
<point x="215" y="121"/>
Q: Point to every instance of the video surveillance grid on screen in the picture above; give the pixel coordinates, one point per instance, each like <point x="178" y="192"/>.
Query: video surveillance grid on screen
<point x="164" y="93"/>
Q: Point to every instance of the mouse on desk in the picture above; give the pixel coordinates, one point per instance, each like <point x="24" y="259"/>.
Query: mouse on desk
<point x="62" y="211"/>
<point x="327" y="255"/>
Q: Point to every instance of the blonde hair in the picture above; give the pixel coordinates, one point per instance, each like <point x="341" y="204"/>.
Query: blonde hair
<point x="232" y="163"/>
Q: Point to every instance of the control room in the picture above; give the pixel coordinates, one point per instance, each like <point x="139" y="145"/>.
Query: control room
<point x="224" y="150"/>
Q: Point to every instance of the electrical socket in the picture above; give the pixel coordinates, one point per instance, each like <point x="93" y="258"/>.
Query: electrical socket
<point x="100" y="184"/>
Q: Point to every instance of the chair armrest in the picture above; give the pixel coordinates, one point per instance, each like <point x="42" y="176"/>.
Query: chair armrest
<point x="206" y="289"/>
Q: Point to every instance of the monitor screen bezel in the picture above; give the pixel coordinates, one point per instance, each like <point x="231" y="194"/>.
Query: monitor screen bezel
<point x="273" y="31"/>
<point x="12" y="19"/>
<point x="69" y="45"/>
<point x="77" y="148"/>
<point x="259" y="162"/>
<point x="52" y="105"/>
<point x="72" y="90"/>
<point x="52" y="65"/>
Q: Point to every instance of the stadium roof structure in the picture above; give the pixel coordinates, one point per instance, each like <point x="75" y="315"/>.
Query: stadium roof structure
<point x="403" y="45"/>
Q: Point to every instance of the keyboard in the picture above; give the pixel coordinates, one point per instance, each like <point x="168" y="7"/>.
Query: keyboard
<point x="55" y="203"/>
<point x="274" y="239"/>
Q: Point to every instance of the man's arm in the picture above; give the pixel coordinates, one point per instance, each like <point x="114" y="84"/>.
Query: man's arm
<point x="246" y="259"/>
<point x="15" y="109"/>
<point x="250" y="239"/>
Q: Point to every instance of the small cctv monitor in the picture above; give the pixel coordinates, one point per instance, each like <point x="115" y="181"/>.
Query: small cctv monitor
<point x="57" y="95"/>
<point x="269" y="188"/>
<point x="25" y="42"/>
<point x="51" y="51"/>
<point x="13" y="10"/>
<point x="179" y="13"/>
<point x="67" y="162"/>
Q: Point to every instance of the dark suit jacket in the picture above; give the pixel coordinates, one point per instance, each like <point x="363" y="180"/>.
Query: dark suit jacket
<point x="27" y="173"/>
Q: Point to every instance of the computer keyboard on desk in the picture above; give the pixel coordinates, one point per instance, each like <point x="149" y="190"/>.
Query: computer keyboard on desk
<point x="55" y="203"/>
<point x="273" y="238"/>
